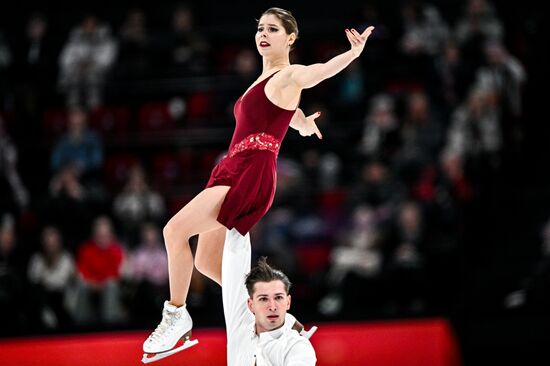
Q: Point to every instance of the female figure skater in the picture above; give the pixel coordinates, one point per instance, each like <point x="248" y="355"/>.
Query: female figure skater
<point x="242" y="185"/>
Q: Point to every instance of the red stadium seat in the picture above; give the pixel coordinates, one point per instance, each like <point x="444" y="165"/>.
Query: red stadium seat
<point x="208" y="159"/>
<point x="312" y="257"/>
<point x="155" y="117"/>
<point x="117" y="168"/>
<point x="200" y="106"/>
<point x="166" y="170"/>
<point x="332" y="200"/>
<point x="54" y="124"/>
<point x="186" y="159"/>
<point x="403" y="86"/>
<point x="325" y="50"/>
<point x="111" y="121"/>
<point x="226" y="58"/>
<point x="7" y="117"/>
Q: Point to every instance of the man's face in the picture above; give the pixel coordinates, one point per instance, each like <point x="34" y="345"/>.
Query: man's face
<point x="269" y="304"/>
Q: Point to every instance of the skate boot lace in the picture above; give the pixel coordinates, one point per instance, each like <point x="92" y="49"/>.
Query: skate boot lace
<point x="168" y="320"/>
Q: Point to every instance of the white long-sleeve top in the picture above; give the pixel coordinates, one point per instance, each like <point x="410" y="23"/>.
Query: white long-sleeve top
<point x="55" y="277"/>
<point x="280" y="347"/>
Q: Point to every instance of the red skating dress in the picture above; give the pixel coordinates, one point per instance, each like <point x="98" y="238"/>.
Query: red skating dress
<point x="249" y="167"/>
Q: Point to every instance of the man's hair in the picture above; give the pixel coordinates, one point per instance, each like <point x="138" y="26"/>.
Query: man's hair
<point x="263" y="272"/>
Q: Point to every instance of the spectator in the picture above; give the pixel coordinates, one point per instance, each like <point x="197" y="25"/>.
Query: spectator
<point x="381" y="132"/>
<point x="478" y="23"/>
<point x="379" y="43"/>
<point x="35" y="55"/>
<point x="136" y="204"/>
<point x="290" y="178"/>
<point x="188" y="49"/>
<point x="99" y="263"/>
<point x="5" y="53"/>
<point x="444" y="191"/>
<point x="376" y="187"/>
<point x="424" y="29"/>
<point x="311" y="167"/>
<point x="452" y="77"/>
<point x="136" y="48"/>
<point x="505" y="75"/>
<point x="51" y="270"/>
<point x="351" y="92"/>
<point x="147" y="270"/>
<point x="330" y="166"/>
<point x="14" y="196"/>
<point x="15" y="311"/>
<point x="85" y="62"/>
<point x="274" y="236"/>
<point x="246" y="65"/>
<point x="533" y="294"/>
<point x="454" y="178"/>
<point x="475" y="131"/>
<point x="148" y="262"/>
<point x="70" y="205"/>
<point x="35" y="69"/>
<point x="6" y="58"/>
<point x="424" y="35"/>
<point x="405" y="265"/>
<point x="80" y="146"/>
<point x="421" y="136"/>
<point x="356" y="263"/>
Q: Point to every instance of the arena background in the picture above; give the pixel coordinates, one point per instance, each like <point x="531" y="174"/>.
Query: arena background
<point x="471" y="288"/>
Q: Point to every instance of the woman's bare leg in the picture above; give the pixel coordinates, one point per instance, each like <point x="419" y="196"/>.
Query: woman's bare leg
<point x="208" y="257"/>
<point x="198" y="216"/>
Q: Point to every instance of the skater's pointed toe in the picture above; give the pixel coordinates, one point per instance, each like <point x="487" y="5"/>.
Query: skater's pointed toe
<point x="149" y="346"/>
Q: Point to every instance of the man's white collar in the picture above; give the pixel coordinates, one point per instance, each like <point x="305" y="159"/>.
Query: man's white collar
<point x="266" y="336"/>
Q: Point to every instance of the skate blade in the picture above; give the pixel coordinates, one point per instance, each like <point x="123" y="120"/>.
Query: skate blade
<point x="309" y="333"/>
<point x="159" y="356"/>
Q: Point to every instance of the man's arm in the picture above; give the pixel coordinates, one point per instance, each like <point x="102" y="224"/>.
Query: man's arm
<point x="235" y="265"/>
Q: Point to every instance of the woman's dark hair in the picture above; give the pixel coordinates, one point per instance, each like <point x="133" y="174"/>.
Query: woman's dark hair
<point x="263" y="272"/>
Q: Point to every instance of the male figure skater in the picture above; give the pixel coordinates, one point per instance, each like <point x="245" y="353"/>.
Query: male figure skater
<point x="259" y="329"/>
<point x="255" y="307"/>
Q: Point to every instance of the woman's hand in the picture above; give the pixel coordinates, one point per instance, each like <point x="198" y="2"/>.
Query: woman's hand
<point x="358" y="40"/>
<point x="306" y="125"/>
<point x="309" y="127"/>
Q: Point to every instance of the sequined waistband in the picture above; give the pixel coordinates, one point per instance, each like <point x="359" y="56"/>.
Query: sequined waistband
<point x="256" y="141"/>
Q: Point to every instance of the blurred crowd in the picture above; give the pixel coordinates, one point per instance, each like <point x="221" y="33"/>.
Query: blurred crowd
<point x="369" y="222"/>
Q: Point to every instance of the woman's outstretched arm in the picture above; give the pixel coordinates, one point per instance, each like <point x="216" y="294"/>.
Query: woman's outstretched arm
<point x="308" y="76"/>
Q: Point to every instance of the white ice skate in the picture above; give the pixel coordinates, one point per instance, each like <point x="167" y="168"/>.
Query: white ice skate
<point x="176" y="325"/>
<point x="299" y="327"/>
<point x="309" y="333"/>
